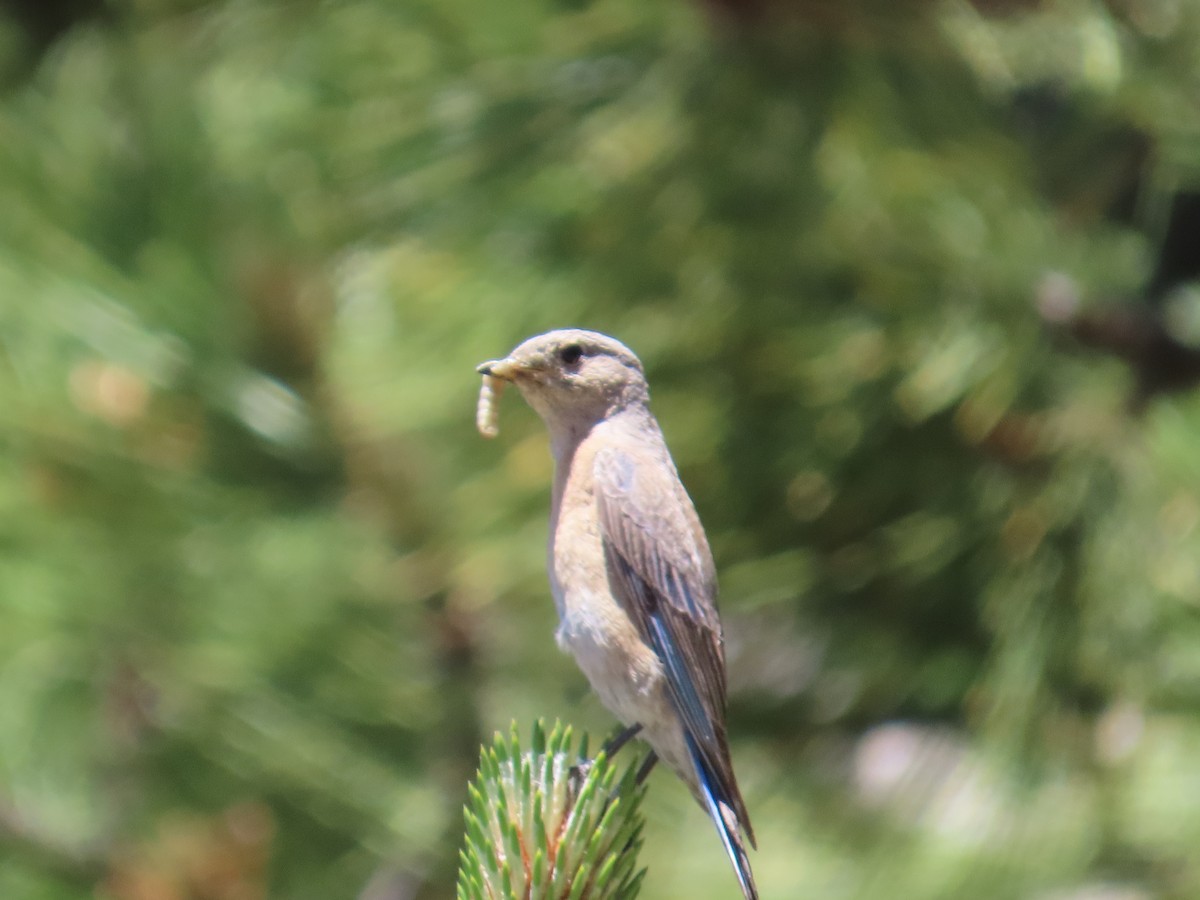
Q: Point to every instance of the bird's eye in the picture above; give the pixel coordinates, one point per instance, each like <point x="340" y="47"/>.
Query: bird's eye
<point x="570" y="354"/>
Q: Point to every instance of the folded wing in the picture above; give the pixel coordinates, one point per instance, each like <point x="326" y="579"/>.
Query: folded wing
<point x="662" y="574"/>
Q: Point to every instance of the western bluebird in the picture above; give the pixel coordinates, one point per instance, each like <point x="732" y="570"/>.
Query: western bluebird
<point x="630" y="569"/>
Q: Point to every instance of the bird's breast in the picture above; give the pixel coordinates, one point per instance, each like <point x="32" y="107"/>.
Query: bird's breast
<point x="622" y="669"/>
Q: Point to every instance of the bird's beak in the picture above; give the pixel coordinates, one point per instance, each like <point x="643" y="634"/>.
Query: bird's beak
<point x="499" y="368"/>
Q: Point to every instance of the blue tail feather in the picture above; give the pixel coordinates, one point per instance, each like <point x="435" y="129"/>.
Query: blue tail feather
<point x="720" y="812"/>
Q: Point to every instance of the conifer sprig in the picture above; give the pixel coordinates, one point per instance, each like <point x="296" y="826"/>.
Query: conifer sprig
<point x="549" y="824"/>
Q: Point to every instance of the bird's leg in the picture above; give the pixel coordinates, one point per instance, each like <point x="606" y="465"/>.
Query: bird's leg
<point x="579" y="771"/>
<point x="646" y="768"/>
<point x="618" y="741"/>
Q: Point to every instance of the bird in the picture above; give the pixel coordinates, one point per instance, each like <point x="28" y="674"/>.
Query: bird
<point x="633" y="578"/>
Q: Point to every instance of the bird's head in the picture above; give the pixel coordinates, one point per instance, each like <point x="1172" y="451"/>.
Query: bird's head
<point x="573" y="377"/>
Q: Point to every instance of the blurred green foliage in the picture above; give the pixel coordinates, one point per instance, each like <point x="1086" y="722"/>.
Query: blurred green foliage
<point x="265" y="591"/>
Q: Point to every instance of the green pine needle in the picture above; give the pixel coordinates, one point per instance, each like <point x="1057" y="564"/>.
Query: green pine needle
<point x="538" y="829"/>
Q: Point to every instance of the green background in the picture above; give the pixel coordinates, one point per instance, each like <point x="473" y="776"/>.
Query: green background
<point x="264" y="590"/>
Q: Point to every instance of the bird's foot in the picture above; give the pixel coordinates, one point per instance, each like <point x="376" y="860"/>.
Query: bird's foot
<point x="579" y="772"/>
<point x="577" y="775"/>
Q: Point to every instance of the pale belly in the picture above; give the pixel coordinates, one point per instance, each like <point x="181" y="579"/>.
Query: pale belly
<point x="624" y="672"/>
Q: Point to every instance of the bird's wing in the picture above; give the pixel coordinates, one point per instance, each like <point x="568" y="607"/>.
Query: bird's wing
<point x="662" y="574"/>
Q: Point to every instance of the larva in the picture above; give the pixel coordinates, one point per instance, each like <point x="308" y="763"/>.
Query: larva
<point x="487" y="413"/>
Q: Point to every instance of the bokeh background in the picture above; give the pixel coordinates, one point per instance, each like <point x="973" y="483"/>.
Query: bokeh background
<point x="915" y="285"/>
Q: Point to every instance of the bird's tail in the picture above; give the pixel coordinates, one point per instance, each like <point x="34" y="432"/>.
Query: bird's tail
<point x="725" y="818"/>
